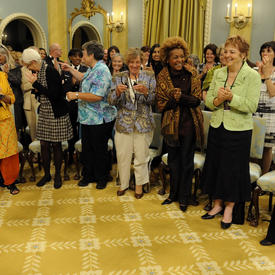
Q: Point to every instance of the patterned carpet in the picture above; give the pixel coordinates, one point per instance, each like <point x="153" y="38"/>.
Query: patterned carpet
<point x="93" y="232"/>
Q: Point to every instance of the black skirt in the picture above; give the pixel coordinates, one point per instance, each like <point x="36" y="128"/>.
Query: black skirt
<point x="225" y="173"/>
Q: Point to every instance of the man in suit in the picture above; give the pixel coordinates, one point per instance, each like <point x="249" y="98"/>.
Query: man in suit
<point x="52" y="59"/>
<point x="71" y="85"/>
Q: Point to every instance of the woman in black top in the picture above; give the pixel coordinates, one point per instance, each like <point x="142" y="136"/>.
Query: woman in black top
<point x="154" y="59"/>
<point x="54" y="124"/>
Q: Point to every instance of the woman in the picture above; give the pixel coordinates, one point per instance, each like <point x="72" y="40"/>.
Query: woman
<point x="117" y="65"/>
<point x="42" y="53"/>
<point x="145" y="51"/>
<point x="210" y="60"/>
<point x="233" y="97"/>
<point x="133" y="94"/>
<point x="270" y="237"/>
<point x="266" y="107"/>
<point x="111" y="52"/>
<point x="95" y="115"/>
<point x="209" y="76"/>
<point x="154" y="59"/>
<point x="14" y="78"/>
<point x="178" y="98"/>
<point x="9" y="158"/>
<point x="54" y="124"/>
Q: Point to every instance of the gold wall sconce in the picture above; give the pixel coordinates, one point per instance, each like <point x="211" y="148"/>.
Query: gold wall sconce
<point x="239" y="20"/>
<point x="113" y="25"/>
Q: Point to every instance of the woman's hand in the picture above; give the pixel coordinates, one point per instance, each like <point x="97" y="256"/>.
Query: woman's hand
<point x="141" y="89"/>
<point x="121" y="88"/>
<point x="6" y="68"/>
<point x="177" y="94"/>
<point x="65" y="67"/>
<point x="267" y="67"/>
<point x="71" y="96"/>
<point x="228" y="94"/>
<point x="31" y="77"/>
<point x="222" y="95"/>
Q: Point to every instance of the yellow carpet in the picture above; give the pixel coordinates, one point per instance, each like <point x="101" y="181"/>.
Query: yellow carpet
<point x="86" y="231"/>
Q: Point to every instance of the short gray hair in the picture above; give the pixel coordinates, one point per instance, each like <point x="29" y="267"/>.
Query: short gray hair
<point x="95" y="48"/>
<point x="30" y="55"/>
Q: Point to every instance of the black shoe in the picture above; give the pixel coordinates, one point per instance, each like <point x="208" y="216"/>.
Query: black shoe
<point x="167" y="201"/>
<point x="83" y="182"/>
<point x="183" y="207"/>
<point x="193" y="202"/>
<point x="101" y="185"/>
<point x="44" y="180"/>
<point x="209" y="217"/>
<point x="225" y="225"/>
<point x="57" y="182"/>
<point x="266" y="242"/>
<point x="109" y="178"/>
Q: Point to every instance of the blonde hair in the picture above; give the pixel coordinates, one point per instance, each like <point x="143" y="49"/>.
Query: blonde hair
<point x="131" y="54"/>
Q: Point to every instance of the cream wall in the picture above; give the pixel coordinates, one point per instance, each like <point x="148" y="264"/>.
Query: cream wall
<point x="263" y="24"/>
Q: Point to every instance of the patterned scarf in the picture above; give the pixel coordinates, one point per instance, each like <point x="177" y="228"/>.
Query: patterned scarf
<point x="41" y="77"/>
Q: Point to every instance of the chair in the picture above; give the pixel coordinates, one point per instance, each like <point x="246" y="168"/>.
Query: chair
<point x="35" y="148"/>
<point x="155" y="149"/>
<point x="256" y="152"/>
<point x="78" y="149"/>
<point x="199" y="157"/>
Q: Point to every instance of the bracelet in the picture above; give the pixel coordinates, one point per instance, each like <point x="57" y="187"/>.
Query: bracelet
<point x="76" y="94"/>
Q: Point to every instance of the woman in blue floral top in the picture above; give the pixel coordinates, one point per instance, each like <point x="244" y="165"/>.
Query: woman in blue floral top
<point x="133" y="94"/>
<point x="95" y="114"/>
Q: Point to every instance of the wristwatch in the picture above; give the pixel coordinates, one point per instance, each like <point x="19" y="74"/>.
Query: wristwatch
<point x="76" y="94"/>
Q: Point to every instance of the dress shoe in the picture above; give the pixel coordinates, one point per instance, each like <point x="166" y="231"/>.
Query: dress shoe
<point x="266" y="242"/>
<point x="183" y="207"/>
<point x="101" y="185"/>
<point x="225" y="225"/>
<point x="138" y="196"/>
<point x="167" y="201"/>
<point x="121" y="192"/>
<point x="83" y="182"/>
<point x="57" y="182"/>
<point x="209" y="217"/>
<point x="44" y="180"/>
<point x="193" y="202"/>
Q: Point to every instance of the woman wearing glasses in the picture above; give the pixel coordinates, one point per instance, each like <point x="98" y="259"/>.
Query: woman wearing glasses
<point x="132" y="92"/>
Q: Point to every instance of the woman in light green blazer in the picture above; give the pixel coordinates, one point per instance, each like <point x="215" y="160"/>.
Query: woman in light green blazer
<point x="233" y="97"/>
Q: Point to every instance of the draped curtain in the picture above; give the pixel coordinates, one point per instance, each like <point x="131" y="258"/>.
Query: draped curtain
<point x="184" y="18"/>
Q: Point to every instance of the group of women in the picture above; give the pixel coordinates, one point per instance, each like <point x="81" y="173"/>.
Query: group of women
<point x="162" y="76"/>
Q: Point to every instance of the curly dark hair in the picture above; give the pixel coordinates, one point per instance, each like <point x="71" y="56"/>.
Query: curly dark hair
<point x="268" y="45"/>
<point x="170" y="44"/>
<point x="213" y="48"/>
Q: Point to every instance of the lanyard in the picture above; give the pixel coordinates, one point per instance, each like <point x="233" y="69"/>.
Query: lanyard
<point x="226" y="106"/>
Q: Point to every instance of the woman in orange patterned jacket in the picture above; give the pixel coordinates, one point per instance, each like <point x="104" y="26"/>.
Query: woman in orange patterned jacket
<point x="9" y="158"/>
<point x="178" y="98"/>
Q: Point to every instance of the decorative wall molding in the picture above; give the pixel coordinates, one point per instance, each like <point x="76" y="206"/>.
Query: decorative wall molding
<point x="207" y="22"/>
<point x="38" y="34"/>
<point x="88" y="25"/>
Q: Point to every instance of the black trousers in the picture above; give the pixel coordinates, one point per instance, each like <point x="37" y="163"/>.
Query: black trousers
<point x="94" y="156"/>
<point x="271" y="229"/>
<point x="73" y="113"/>
<point x="181" y="165"/>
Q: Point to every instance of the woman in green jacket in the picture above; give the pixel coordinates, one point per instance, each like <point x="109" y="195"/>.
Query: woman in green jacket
<point x="233" y="97"/>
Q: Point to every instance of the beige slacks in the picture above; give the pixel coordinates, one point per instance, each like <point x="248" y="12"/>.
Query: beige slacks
<point x="126" y="145"/>
<point x="31" y="116"/>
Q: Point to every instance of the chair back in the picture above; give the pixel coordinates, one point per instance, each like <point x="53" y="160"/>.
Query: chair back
<point x="157" y="137"/>
<point x="258" y="137"/>
<point x="206" y="123"/>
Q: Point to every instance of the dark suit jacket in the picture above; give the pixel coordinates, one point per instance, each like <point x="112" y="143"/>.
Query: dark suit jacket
<point x="54" y="92"/>
<point x="68" y="85"/>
